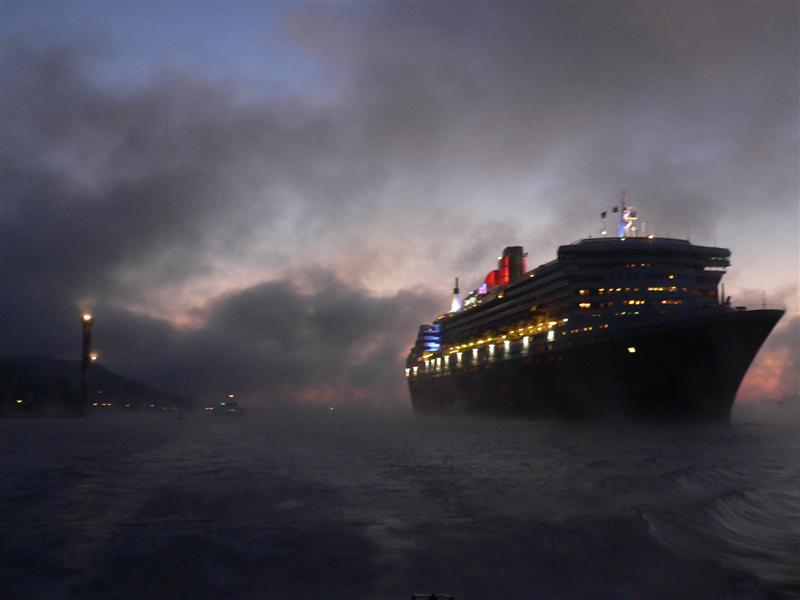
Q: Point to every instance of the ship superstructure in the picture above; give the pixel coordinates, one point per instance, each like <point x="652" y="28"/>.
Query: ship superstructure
<point x="614" y="325"/>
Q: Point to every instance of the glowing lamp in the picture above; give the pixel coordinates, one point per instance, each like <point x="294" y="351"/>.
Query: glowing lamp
<point x="631" y="349"/>
<point x="87" y="317"/>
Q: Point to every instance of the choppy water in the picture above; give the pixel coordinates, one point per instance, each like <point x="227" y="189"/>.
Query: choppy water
<point x="345" y="506"/>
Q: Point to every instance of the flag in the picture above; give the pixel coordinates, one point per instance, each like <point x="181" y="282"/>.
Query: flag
<point x="603" y="215"/>
<point x="615" y="209"/>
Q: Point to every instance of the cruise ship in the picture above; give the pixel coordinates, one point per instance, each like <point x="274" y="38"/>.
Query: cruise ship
<point x="631" y="326"/>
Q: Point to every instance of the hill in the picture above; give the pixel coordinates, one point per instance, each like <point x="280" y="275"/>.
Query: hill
<point x="48" y="385"/>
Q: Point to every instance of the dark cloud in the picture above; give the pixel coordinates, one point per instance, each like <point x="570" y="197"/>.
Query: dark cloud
<point x="278" y="341"/>
<point x="444" y="132"/>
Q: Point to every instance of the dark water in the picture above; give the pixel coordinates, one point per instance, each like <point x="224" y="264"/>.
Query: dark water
<point x="345" y="506"/>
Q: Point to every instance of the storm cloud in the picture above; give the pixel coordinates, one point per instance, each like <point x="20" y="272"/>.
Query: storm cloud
<point x="312" y="339"/>
<point x="288" y="242"/>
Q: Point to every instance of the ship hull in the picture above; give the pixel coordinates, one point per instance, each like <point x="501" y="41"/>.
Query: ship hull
<point x="687" y="370"/>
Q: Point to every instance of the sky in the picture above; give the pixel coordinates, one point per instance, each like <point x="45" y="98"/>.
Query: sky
<point x="269" y="198"/>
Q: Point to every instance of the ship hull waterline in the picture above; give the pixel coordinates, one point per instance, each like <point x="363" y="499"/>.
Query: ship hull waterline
<point x="683" y="371"/>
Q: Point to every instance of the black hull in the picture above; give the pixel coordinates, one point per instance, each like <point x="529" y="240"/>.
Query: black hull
<point x="688" y="370"/>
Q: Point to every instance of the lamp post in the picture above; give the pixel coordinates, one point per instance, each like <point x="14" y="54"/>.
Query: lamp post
<point x="86" y="360"/>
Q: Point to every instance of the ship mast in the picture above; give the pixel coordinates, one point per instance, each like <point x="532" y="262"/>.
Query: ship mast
<point x="627" y="218"/>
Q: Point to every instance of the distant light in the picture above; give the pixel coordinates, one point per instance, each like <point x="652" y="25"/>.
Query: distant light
<point x="87" y="317"/>
<point x="632" y="349"/>
<point x="19" y="401"/>
<point x="93" y="356"/>
<point x="622" y="239"/>
<point x="551" y="335"/>
<point x="331" y="409"/>
<point x="650" y="237"/>
<point x="230" y="395"/>
<point x="670" y="276"/>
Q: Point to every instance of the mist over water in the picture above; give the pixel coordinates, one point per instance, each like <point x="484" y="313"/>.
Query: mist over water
<point x="338" y="505"/>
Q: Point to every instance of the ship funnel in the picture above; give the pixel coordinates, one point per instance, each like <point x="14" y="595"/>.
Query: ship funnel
<point x="512" y="264"/>
<point x="455" y="306"/>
